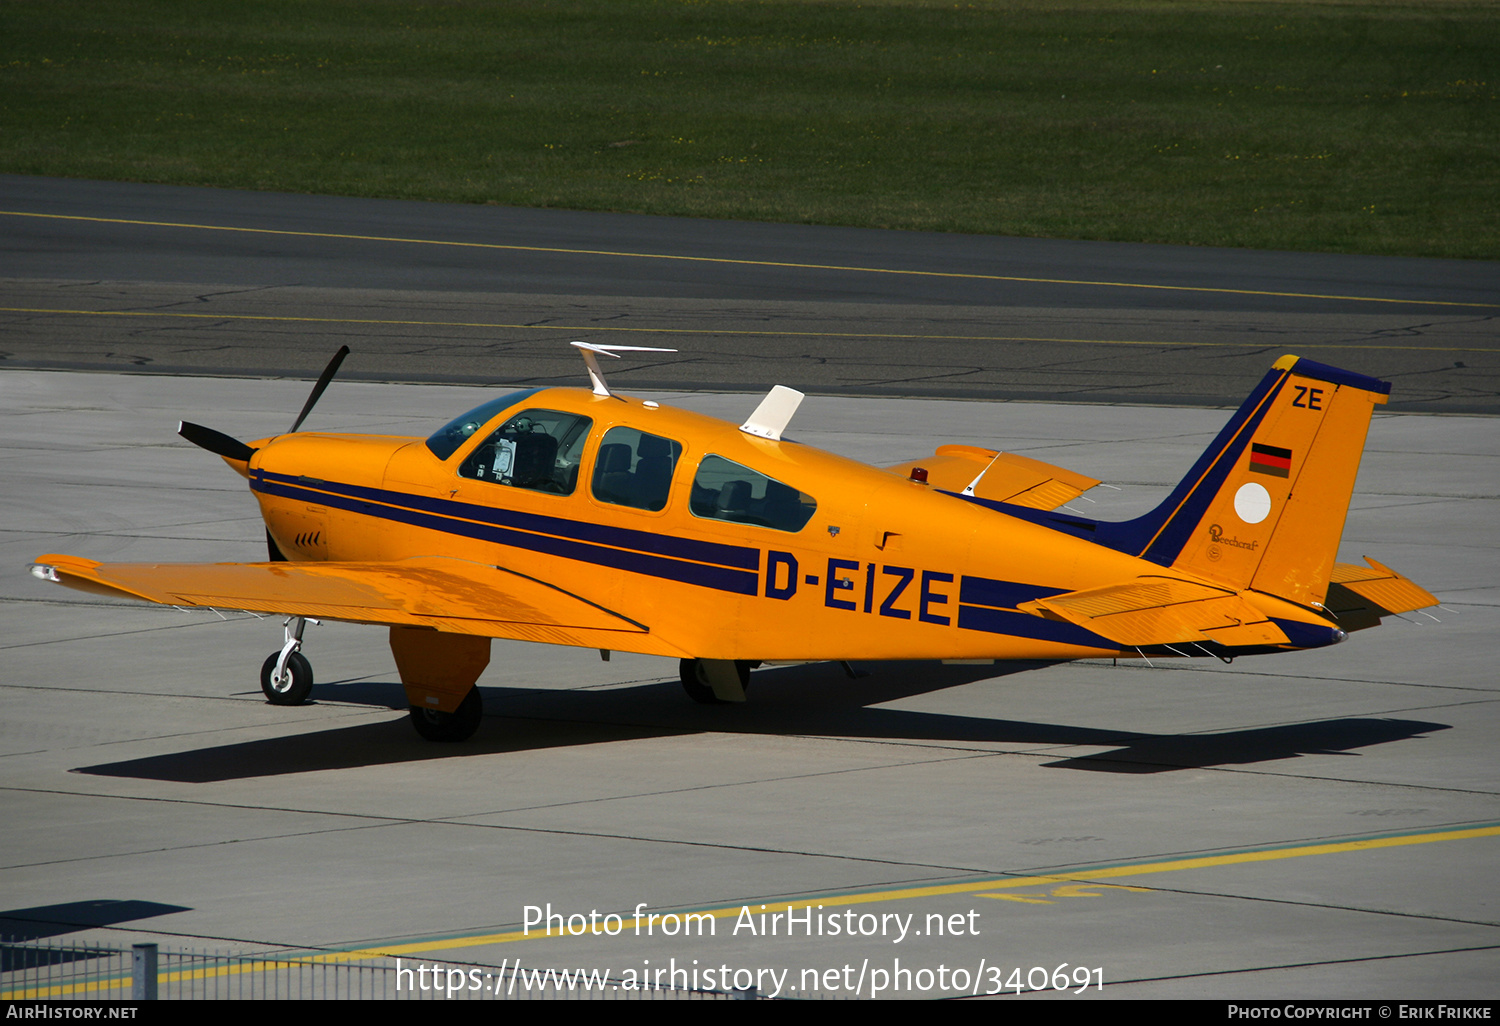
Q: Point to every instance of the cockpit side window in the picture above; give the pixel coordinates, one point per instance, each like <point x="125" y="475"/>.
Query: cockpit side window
<point x="725" y="490"/>
<point x="536" y="449"/>
<point x="447" y="440"/>
<point x="635" y="469"/>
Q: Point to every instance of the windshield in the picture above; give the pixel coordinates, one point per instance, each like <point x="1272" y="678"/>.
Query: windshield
<point x="446" y="440"/>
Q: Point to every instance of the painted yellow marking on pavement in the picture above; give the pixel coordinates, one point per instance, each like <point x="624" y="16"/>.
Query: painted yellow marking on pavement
<point x="1078" y="890"/>
<point x="1016" y="882"/>
<point x="1083" y="876"/>
<point x="974" y="886"/>
<point x="734" y="261"/>
<point x="1091" y="890"/>
<point x="575" y="329"/>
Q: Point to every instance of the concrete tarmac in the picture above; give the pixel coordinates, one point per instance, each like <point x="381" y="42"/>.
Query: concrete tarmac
<point x="1318" y="824"/>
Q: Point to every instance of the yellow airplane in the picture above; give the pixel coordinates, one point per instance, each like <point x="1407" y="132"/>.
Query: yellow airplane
<point x="583" y="517"/>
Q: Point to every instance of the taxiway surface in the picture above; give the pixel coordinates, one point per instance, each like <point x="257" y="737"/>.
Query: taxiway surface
<point x="1314" y="824"/>
<point x="1320" y="824"/>
<point x="120" y="276"/>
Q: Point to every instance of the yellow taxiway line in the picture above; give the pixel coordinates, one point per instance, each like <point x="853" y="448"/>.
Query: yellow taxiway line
<point x="1102" y="873"/>
<point x="577" y="329"/>
<point x="731" y="261"/>
<point x="1079" y="877"/>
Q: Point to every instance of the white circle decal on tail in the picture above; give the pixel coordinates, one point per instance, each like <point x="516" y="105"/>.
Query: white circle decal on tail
<point x="1252" y="502"/>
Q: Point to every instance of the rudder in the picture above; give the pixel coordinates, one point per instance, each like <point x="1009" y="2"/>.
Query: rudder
<point x="1264" y="507"/>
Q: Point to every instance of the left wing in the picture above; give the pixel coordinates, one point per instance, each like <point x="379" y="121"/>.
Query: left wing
<point x="450" y="595"/>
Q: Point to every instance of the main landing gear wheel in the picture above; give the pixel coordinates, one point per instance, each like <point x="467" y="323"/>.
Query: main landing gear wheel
<point x="695" y="681"/>
<point x="295" y="684"/>
<point x="458" y="725"/>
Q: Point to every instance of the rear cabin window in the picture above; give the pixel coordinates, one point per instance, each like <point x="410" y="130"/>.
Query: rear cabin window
<point x="537" y="450"/>
<point x="635" y="469"/>
<point x="725" y="490"/>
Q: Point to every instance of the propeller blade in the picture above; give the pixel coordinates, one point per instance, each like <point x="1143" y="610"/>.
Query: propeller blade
<point x="216" y="442"/>
<point x="323" y="380"/>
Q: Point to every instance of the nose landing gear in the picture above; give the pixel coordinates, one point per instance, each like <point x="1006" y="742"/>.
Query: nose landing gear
<point x="286" y="677"/>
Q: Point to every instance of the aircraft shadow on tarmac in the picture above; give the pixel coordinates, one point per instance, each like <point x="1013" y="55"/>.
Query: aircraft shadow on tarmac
<point x="814" y="699"/>
<point x="28" y="924"/>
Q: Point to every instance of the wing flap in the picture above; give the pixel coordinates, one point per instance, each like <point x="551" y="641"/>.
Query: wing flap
<point x="1018" y="480"/>
<point x="446" y="594"/>
<point x="1161" y="611"/>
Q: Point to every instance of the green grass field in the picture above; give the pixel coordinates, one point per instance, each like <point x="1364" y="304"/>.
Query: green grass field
<point x="1352" y="127"/>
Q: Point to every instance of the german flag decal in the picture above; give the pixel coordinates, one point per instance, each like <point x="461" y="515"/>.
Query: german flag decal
<point x="1267" y="459"/>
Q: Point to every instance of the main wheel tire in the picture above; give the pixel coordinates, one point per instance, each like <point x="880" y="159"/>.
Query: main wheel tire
<point x="297" y="685"/>
<point x="695" y="681"/>
<point x="458" y="725"/>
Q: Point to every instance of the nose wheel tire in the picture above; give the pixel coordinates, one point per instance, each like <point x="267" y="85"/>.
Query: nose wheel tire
<point x="695" y="681"/>
<point x="458" y="725"/>
<point x="296" y="684"/>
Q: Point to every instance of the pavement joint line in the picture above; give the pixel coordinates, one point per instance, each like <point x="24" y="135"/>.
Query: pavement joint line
<point x="597" y="328"/>
<point x="735" y="261"/>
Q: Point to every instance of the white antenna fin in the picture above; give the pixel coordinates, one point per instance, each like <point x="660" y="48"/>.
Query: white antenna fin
<point x="969" y="488"/>
<point x="773" y="414"/>
<point x="596" y="376"/>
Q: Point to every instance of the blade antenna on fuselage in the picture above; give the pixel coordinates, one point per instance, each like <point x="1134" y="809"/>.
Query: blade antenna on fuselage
<point x="969" y="488"/>
<point x="774" y="413"/>
<point x="596" y="376"/>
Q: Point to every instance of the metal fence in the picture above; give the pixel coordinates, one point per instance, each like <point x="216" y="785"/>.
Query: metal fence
<point x="81" y="971"/>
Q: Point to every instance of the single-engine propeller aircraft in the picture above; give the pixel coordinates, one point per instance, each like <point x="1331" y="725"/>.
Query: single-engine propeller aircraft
<point x="582" y="517"/>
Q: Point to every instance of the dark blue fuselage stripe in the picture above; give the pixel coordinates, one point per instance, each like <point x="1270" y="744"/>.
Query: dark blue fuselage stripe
<point x="737" y="556"/>
<point x="1159" y="536"/>
<point x="1023" y="625"/>
<point x="984" y="591"/>
<point x="989" y="605"/>
<point x="740" y="582"/>
<point x="983" y="617"/>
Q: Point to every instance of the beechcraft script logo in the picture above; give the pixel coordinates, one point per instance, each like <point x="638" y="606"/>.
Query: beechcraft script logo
<point x="1268" y="459"/>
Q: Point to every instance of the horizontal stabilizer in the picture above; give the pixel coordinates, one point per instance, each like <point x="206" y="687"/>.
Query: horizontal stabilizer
<point x="1162" y="611"/>
<point x="449" y="595"/>
<point x="1018" y="480"/>
<point x="1360" y="595"/>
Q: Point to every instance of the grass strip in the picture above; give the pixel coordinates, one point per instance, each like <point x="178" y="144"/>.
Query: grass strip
<point x="1350" y="127"/>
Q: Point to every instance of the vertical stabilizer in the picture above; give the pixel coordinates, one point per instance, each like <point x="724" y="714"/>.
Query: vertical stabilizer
<point x="1264" y="507"/>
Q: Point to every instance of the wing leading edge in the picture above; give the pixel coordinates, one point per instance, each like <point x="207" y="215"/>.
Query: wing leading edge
<point x="450" y="595"/>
